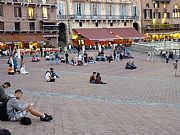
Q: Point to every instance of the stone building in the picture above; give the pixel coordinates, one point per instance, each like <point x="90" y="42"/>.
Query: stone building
<point x="78" y="14"/>
<point x="161" y="19"/>
<point x="27" y="23"/>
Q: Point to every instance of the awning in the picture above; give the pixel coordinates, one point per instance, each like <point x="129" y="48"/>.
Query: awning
<point x="96" y="34"/>
<point x="38" y="38"/>
<point x="126" y="33"/>
<point x="25" y="38"/>
<point x="9" y="38"/>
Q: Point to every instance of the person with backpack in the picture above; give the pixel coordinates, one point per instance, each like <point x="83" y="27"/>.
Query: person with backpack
<point x="16" y="111"/>
<point x="4" y="86"/>
<point x="3" y="101"/>
<point x="51" y="75"/>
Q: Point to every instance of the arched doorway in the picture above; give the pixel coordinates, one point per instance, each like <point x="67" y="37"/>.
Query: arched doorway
<point x="136" y="26"/>
<point x="62" y="39"/>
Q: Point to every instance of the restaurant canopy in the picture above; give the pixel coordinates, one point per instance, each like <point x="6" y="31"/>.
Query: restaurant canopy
<point x="97" y="34"/>
<point x="25" y="38"/>
<point x="109" y="34"/>
<point x="126" y="33"/>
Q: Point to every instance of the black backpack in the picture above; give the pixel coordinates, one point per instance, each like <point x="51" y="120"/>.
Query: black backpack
<point x="25" y="121"/>
<point x="3" y="110"/>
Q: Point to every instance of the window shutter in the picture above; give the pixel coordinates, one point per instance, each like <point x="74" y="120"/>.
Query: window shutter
<point x="75" y="8"/>
<point x="82" y="9"/>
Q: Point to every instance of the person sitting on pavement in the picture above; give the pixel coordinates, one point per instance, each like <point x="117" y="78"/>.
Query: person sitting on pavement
<point x="98" y="79"/>
<point x="110" y="58"/>
<point x="34" y="59"/>
<point x="130" y="65"/>
<point x="4" y="86"/>
<point x="10" y="70"/>
<point x="51" y="75"/>
<point x="23" y="70"/>
<point x="92" y="78"/>
<point x="16" y="110"/>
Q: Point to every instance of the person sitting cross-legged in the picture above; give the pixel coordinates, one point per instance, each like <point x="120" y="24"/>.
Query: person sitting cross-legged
<point x="92" y="78"/>
<point x="98" y="79"/>
<point x="16" y="110"/>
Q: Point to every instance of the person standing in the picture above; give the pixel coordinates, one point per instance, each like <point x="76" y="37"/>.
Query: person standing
<point x="85" y="57"/>
<point x="57" y="58"/>
<point x="51" y="57"/>
<point x="175" y="67"/>
<point x="167" y="57"/>
<point x="66" y="58"/>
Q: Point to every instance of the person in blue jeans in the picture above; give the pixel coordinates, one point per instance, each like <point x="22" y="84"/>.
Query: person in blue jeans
<point x="57" y="58"/>
<point x="51" y="57"/>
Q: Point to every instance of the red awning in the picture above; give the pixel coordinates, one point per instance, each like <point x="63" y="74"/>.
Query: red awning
<point x="96" y="34"/>
<point x="126" y="33"/>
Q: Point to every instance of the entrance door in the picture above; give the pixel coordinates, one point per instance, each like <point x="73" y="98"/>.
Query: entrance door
<point x="62" y="40"/>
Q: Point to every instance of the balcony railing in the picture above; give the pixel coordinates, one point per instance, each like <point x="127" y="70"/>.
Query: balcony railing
<point x="99" y="17"/>
<point x="163" y="1"/>
<point x="162" y="27"/>
<point x="49" y="2"/>
<point x="50" y="27"/>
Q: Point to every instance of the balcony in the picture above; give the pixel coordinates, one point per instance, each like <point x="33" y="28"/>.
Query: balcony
<point x="163" y="1"/>
<point x="49" y="28"/>
<point x="159" y="27"/>
<point x="39" y="2"/>
<point x="98" y="17"/>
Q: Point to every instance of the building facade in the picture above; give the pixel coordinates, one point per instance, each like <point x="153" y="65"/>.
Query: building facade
<point x="73" y="14"/>
<point x="161" y="19"/>
<point x="23" y="22"/>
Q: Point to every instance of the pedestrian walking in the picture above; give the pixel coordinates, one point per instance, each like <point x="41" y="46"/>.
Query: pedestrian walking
<point x="175" y="67"/>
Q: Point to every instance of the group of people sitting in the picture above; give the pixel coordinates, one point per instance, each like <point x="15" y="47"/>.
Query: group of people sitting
<point x="22" y="70"/>
<point x="35" y="58"/>
<point x="96" y="78"/>
<point x="12" y="109"/>
<point x="130" y="65"/>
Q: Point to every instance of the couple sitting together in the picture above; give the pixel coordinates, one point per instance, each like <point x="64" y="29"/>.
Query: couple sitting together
<point x="96" y="78"/>
<point x="50" y="75"/>
<point x="130" y="65"/>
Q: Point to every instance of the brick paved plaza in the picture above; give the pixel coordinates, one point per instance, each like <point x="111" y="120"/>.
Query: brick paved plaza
<point x="145" y="101"/>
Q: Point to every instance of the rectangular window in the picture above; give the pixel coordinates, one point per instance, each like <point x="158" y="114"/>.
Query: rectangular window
<point x="125" y="24"/>
<point x="110" y="10"/>
<point x="1" y="25"/>
<point x="94" y="9"/>
<point x="80" y="24"/>
<point x="147" y="5"/>
<point x="17" y="26"/>
<point x="32" y="26"/>
<point x="31" y="12"/>
<point x="1" y="10"/>
<point x="79" y="10"/>
<point x="17" y="12"/>
<point x="111" y="24"/>
<point x="45" y="13"/>
<point x="44" y="1"/>
<point x="96" y="24"/>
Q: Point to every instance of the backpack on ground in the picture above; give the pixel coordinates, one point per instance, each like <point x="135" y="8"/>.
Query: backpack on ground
<point x="25" y="121"/>
<point x="3" y="111"/>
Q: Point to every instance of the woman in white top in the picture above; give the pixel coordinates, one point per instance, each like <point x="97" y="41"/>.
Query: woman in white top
<point x="23" y="70"/>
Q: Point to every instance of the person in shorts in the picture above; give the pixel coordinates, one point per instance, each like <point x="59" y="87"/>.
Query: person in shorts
<point x="16" y="110"/>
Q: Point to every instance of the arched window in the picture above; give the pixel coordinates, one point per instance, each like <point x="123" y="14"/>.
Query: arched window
<point x="1" y="10"/>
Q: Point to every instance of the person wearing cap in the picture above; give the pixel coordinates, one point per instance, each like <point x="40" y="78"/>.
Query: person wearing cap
<point x="4" y="86"/>
<point x="16" y="110"/>
<point x="92" y="78"/>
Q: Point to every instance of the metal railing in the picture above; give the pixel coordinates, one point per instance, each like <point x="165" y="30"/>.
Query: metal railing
<point x="98" y="17"/>
<point x="163" y="26"/>
<point x="30" y="2"/>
